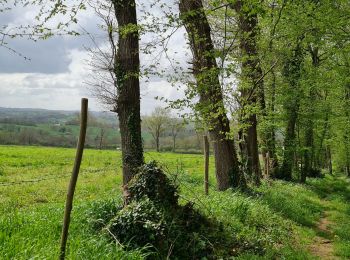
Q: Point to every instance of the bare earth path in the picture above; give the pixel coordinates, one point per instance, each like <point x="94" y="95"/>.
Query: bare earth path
<point x="322" y="244"/>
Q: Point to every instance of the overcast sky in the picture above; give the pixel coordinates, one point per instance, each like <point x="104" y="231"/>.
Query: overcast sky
<point x="54" y="76"/>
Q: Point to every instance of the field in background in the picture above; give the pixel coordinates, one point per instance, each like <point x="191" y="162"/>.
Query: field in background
<point x="277" y="220"/>
<point x="34" y="175"/>
<point x="40" y="127"/>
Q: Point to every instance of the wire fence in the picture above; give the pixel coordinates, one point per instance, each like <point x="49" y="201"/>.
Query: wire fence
<point x="51" y="177"/>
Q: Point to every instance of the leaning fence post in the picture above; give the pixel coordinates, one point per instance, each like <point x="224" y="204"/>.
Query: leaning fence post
<point x="74" y="177"/>
<point x="206" y="164"/>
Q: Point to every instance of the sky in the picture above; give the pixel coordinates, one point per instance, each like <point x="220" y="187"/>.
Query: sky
<point x="55" y="76"/>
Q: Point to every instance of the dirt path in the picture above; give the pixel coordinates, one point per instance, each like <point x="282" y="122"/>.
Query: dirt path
<point x="322" y="245"/>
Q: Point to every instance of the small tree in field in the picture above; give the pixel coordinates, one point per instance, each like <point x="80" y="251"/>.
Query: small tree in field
<point x="175" y="127"/>
<point x="157" y="123"/>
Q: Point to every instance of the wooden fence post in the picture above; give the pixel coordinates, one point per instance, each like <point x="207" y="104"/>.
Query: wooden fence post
<point x="206" y="164"/>
<point x="74" y="177"/>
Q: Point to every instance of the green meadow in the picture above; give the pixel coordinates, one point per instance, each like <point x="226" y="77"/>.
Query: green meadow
<point x="277" y="220"/>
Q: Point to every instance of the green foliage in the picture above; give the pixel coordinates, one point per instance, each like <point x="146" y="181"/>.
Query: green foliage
<point x="101" y="212"/>
<point x="154" y="218"/>
<point x="139" y="224"/>
<point x="152" y="183"/>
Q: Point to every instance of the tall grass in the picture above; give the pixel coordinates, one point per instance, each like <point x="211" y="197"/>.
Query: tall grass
<point x="274" y="221"/>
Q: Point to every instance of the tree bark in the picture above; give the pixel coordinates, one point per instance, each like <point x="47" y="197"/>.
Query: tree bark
<point x="127" y="66"/>
<point x="211" y="105"/>
<point x="254" y="92"/>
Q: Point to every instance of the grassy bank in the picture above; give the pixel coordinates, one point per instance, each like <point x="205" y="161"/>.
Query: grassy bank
<point x="276" y="220"/>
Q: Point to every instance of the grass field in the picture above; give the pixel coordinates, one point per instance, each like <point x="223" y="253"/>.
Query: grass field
<point x="277" y="220"/>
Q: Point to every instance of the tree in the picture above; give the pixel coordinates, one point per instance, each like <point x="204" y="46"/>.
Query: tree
<point x="208" y="87"/>
<point x="115" y="77"/>
<point x="157" y="124"/>
<point x="252" y="86"/>
<point x="127" y="70"/>
<point x="175" y="125"/>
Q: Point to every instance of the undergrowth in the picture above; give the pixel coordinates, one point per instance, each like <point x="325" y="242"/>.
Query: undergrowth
<point x="154" y="218"/>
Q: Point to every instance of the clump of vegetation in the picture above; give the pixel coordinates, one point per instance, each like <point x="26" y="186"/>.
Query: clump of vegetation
<point x="154" y="218"/>
<point x="152" y="183"/>
<point x="138" y="224"/>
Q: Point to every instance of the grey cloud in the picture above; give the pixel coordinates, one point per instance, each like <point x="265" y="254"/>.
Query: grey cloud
<point x="46" y="56"/>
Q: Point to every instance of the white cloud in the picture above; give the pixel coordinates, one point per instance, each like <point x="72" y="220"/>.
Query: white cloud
<point x="63" y="91"/>
<point x="55" y="77"/>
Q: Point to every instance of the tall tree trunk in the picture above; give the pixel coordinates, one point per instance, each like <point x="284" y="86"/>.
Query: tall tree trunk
<point x="329" y="159"/>
<point x="101" y="138"/>
<point x="292" y="74"/>
<point x="211" y="105"/>
<point x="268" y="135"/>
<point x="174" y="143"/>
<point x="254" y="91"/>
<point x="127" y="67"/>
<point x="308" y="153"/>
<point x="321" y="152"/>
<point x="271" y="131"/>
<point x="347" y="130"/>
<point x="309" y="132"/>
<point x="157" y="143"/>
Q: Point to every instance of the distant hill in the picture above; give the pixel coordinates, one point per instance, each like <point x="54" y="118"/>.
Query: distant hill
<point x="27" y="126"/>
<point x="24" y="116"/>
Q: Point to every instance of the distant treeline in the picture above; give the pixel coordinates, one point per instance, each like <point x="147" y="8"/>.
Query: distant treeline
<point x="17" y="121"/>
<point x="51" y="128"/>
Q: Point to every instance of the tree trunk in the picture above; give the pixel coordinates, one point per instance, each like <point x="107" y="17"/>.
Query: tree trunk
<point x="292" y="73"/>
<point x="271" y="131"/>
<point x="289" y="147"/>
<point x="127" y="66"/>
<point x="309" y="132"/>
<point x="251" y="74"/>
<point x="347" y="129"/>
<point x="157" y="143"/>
<point x="211" y="105"/>
<point x="321" y="154"/>
<point x="329" y="159"/>
<point x="174" y="143"/>
<point x="101" y="138"/>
